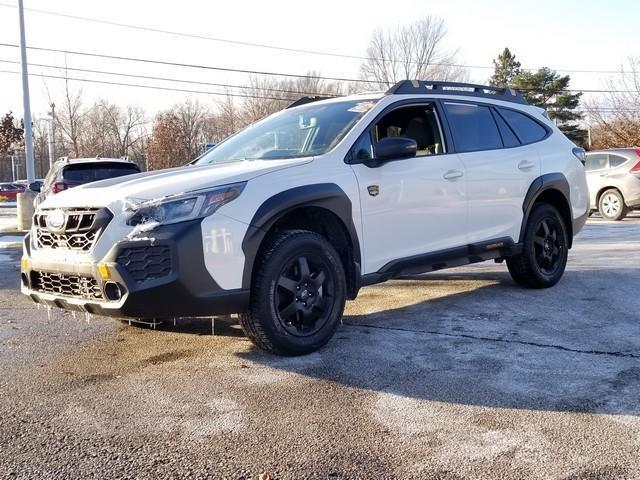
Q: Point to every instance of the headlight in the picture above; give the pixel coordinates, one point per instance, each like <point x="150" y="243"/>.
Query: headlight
<point x="186" y="206"/>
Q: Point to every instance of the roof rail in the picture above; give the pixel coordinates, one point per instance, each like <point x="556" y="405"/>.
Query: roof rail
<point x="305" y="100"/>
<point x="408" y="87"/>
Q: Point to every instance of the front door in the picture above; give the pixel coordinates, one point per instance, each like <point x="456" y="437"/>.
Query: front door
<point x="411" y="206"/>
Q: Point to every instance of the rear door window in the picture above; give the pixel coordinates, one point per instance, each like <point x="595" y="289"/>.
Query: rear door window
<point x="92" y="172"/>
<point x="473" y="127"/>
<point x="596" y="161"/>
<point x="527" y="129"/>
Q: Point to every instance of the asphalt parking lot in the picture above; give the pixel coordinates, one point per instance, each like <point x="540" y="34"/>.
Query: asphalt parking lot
<point x="453" y="375"/>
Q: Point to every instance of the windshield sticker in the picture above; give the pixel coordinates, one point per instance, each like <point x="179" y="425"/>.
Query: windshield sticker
<point x="361" y="107"/>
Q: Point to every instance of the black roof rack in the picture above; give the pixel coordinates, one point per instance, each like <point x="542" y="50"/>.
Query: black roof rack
<point x="305" y="100"/>
<point x="408" y="87"/>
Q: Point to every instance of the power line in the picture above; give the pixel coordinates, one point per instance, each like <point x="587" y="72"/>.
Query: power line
<point x="298" y="92"/>
<point x="166" y="79"/>
<point x="154" y="87"/>
<point x="224" y="94"/>
<point x="190" y="65"/>
<point x="275" y="47"/>
<point x="256" y="72"/>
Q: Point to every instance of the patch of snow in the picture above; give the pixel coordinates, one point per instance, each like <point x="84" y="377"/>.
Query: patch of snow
<point x="142" y="228"/>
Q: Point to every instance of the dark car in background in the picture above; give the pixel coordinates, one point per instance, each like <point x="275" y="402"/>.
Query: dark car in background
<point x="68" y="173"/>
<point x="9" y="191"/>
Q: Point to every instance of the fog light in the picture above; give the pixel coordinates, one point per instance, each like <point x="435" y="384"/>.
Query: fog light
<point x="104" y="271"/>
<point x="112" y="291"/>
<point x="24" y="263"/>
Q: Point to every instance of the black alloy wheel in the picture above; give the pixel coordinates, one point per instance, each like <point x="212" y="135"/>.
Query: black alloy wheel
<point x="304" y="297"/>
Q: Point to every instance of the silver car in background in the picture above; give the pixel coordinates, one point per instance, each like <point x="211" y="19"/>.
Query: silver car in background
<point x="613" y="177"/>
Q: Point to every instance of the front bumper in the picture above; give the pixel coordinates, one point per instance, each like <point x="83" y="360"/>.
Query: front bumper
<point x="178" y="283"/>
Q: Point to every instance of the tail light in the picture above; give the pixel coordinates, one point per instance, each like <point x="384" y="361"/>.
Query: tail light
<point x="636" y="168"/>
<point x="580" y="154"/>
<point x="58" y="187"/>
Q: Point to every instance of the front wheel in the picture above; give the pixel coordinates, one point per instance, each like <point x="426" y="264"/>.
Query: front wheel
<point x="298" y="294"/>
<point x="611" y="205"/>
<point x="545" y="249"/>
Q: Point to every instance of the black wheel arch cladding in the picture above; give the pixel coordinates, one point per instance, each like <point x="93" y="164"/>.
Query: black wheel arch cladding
<point x="326" y="196"/>
<point x="549" y="183"/>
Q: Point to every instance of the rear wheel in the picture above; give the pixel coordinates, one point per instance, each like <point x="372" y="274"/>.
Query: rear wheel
<point x="298" y="294"/>
<point x="611" y="205"/>
<point x="545" y="249"/>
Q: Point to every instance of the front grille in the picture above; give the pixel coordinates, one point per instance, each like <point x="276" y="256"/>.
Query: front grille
<point x="74" y="241"/>
<point x="80" y="231"/>
<point x="146" y="263"/>
<point x="77" y="286"/>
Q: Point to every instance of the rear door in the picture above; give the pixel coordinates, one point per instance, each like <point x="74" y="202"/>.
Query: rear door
<point x="597" y="170"/>
<point x="499" y="166"/>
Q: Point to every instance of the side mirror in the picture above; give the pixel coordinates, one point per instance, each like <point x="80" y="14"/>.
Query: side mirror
<point x="35" y="186"/>
<point x="395" y="148"/>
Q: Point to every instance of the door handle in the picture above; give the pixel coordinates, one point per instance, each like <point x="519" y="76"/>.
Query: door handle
<point x="526" y="165"/>
<point x="452" y="174"/>
<point x="604" y="174"/>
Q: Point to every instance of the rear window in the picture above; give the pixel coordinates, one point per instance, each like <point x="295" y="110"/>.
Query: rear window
<point x="92" y="172"/>
<point x="527" y="129"/>
<point x="473" y="127"/>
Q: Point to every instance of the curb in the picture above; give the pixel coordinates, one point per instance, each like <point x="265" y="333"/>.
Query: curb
<point x="13" y="239"/>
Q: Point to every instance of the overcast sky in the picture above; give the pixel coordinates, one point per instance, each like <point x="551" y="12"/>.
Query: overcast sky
<point x="566" y="35"/>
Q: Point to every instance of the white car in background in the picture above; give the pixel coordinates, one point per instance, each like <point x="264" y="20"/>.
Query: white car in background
<point x="613" y="177"/>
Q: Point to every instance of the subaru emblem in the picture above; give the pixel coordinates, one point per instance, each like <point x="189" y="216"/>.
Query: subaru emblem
<point x="56" y="220"/>
<point x="373" y="190"/>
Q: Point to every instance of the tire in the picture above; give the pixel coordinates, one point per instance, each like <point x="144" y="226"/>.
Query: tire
<point x="298" y="294"/>
<point x="545" y="249"/>
<point x="611" y="205"/>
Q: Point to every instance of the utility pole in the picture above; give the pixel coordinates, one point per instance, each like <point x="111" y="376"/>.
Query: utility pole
<point x="25" y="200"/>
<point x="50" y="134"/>
<point x="28" y="135"/>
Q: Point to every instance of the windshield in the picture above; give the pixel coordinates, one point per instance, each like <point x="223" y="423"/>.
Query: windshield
<point x="300" y="132"/>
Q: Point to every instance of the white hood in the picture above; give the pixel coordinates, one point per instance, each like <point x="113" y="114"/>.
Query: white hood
<point x="156" y="184"/>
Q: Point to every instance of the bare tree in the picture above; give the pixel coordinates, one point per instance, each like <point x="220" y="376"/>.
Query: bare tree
<point x="410" y="52"/>
<point x="69" y="119"/>
<point x="615" y="117"/>
<point x="268" y="95"/>
<point x="178" y="135"/>
<point x="126" y="127"/>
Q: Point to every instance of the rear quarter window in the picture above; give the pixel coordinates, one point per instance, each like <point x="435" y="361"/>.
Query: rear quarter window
<point x="526" y="128"/>
<point x="473" y="127"/>
<point x="616" y="160"/>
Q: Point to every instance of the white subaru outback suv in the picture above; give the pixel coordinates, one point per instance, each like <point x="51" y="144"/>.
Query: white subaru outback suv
<point x="284" y="221"/>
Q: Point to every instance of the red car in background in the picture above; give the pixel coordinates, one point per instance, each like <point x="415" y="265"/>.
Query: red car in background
<point x="9" y="191"/>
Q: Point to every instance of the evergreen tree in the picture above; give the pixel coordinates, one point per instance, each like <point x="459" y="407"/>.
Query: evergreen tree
<point x="506" y="68"/>
<point x="547" y="89"/>
<point x="11" y="135"/>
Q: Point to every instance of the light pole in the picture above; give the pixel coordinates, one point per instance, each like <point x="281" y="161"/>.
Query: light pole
<point x="25" y="200"/>
<point x="50" y="134"/>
